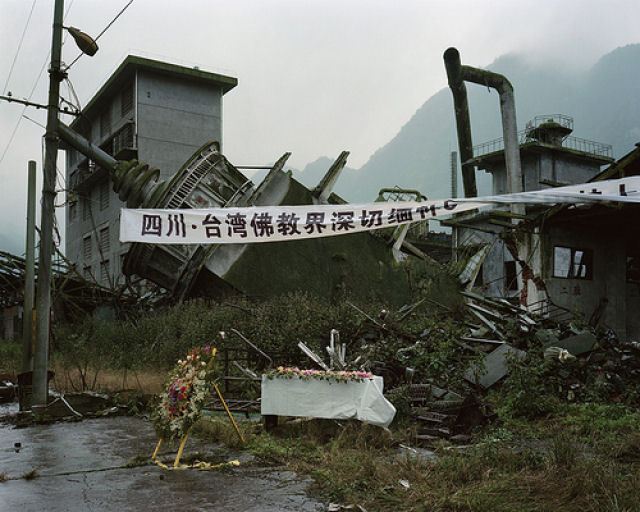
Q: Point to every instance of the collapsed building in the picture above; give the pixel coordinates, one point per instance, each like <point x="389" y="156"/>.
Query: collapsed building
<point x="363" y="264"/>
<point x="160" y="113"/>
<point x="581" y="257"/>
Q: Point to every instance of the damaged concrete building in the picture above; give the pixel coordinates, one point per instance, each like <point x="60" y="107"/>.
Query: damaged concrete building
<point x="124" y="121"/>
<point x="150" y="110"/>
<point x="582" y="258"/>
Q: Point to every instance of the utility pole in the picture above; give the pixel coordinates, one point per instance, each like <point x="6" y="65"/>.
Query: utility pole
<point x="29" y="273"/>
<point x="41" y="356"/>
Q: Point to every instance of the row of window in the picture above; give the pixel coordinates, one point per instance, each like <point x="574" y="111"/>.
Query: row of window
<point x="104" y="122"/>
<point x="85" y="203"/>
<point x="126" y="107"/>
<point x="105" y="273"/>
<point x="103" y="241"/>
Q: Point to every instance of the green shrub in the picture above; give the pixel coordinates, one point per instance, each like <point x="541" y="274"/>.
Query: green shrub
<point x="10" y="357"/>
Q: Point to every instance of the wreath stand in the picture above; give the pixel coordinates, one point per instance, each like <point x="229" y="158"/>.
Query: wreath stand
<point x="183" y="442"/>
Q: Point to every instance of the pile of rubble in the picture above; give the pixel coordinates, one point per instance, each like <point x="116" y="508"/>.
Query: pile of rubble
<point x="583" y="364"/>
<point x="484" y="342"/>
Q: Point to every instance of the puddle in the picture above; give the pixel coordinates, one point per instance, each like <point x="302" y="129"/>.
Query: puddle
<point x="78" y="468"/>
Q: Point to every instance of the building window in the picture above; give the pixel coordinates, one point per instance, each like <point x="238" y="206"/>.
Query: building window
<point x="86" y="208"/>
<point x="572" y="263"/>
<point x="104" y="272"/>
<point x="87" y="272"/>
<point x="510" y="276"/>
<point x="73" y="207"/>
<point x="104" y="195"/>
<point x="86" y="248"/>
<point x="126" y="100"/>
<point x="105" y="123"/>
<point x="104" y="240"/>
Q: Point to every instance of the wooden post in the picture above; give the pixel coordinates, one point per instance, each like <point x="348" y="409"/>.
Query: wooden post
<point x="155" y="452"/>
<point x="228" y="413"/>
<point x="184" y="441"/>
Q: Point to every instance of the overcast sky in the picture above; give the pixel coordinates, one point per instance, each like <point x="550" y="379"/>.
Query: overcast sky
<point x="315" y="77"/>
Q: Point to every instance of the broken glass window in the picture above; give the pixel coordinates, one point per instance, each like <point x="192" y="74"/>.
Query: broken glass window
<point x="572" y="263"/>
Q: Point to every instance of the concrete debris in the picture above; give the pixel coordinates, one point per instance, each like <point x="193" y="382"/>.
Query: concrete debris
<point x="493" y="367"/>
<point x="578" y="344"/>
<point x="74" y="406"/>
<point x="442" y="413"/>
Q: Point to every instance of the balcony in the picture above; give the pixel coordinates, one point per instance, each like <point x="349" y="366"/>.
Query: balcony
<point x="121" y="145"/>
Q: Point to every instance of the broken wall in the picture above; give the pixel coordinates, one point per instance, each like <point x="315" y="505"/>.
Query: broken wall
<point x="608" y="279"/>
<point x="492" y="280"/>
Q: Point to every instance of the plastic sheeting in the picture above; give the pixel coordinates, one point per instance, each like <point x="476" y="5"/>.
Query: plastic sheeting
<point x="329" y="399"/>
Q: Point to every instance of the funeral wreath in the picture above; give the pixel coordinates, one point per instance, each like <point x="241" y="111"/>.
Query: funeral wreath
<point x="186" y="393"/>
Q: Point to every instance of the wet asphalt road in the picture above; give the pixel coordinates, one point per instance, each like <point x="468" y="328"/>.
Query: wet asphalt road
<point x="78" y="469"/>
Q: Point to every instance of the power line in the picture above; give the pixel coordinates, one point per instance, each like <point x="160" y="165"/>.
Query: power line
<point x="15" y="57"/>
<point x="35" y="84"/>
<point x="100" y="34"/>
<point x="34" y="121"/>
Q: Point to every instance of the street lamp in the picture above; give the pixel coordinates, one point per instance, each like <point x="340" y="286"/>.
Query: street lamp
<point x="56" y="75"/>
<point x="85" y="42"/>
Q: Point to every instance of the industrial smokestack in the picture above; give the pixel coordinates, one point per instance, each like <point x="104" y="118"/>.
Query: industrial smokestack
<point x="457" y="74"/>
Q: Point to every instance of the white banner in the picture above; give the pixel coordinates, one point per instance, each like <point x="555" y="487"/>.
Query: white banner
<point x="280" y="223"/>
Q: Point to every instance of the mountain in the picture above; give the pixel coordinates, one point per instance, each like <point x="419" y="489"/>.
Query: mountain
<point x="603" y="101"/>
<point x="311" y="175"/>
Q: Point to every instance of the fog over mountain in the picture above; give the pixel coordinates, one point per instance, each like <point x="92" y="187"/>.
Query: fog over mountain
<point x="604" y="102"/>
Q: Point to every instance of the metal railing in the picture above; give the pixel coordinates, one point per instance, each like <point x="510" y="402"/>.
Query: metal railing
<point x="588" y="147"/>
<point x="561" y="119"/>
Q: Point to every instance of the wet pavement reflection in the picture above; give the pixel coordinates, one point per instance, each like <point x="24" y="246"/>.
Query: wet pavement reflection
<point x="78" y="467"/>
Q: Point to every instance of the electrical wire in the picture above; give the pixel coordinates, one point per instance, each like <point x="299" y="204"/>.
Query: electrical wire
<point x="73" y="93"/>
<point x="35" y="84"/>
<point x="34" y="121"/>
<point x="15" y="57"/>
<point x="100" y="34"/>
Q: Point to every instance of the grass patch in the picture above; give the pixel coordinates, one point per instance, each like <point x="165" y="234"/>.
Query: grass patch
<point x="358" y="464"/>
<point x="138" y="460"/>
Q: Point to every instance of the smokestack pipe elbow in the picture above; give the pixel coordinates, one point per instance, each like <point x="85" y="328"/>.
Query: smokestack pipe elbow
<point x="486" y="78"/>
<point x="452" y="65"/>
<point x="451" y="55"/>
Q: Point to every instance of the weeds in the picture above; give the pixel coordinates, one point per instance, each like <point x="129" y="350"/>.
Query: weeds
<point x="10" y="357"/>
<point x="138" y="460"/>
<point x="358" y="464"/>
<point x="30" y="475"/>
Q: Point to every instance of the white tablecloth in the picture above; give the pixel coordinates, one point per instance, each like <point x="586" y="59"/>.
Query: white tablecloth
<point x="330" y="399"/>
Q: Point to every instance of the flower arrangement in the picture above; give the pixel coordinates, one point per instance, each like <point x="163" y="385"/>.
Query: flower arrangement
<point x="283" y="372"/>
<point x="186" y="393"/>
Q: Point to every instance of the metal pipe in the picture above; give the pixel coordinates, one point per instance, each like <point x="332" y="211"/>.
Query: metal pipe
<point x="509" y="126"/>
<point x="134" y="182"/>
<point x="463" y="124"/>
<point x="77" y="141"/>
<point x="457" y="74"/>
